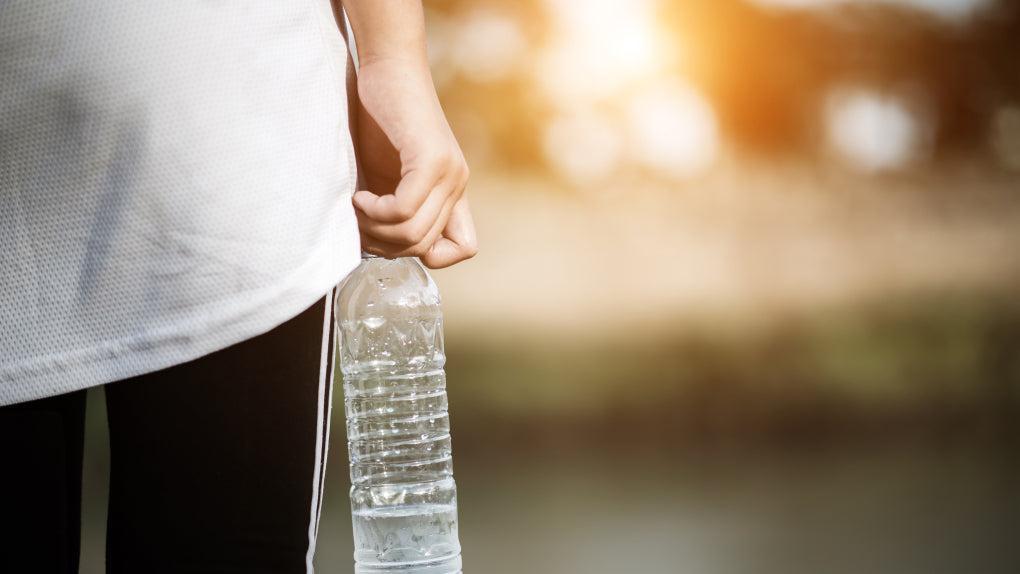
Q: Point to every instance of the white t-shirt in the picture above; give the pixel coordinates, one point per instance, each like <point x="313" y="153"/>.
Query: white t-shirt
<point x="175" y="177"/>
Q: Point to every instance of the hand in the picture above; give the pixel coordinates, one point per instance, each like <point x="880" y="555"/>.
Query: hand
<point x="413" y="167"/>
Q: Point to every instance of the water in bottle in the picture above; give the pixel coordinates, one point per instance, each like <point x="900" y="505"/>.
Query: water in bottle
<point x="403" y="497"/>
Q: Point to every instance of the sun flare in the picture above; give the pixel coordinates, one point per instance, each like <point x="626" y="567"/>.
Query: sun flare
<point x="600" y="48"/>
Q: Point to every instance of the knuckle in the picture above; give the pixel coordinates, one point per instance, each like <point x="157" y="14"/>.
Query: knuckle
<point x="444" y="157"/>
<point x="414" y="234"/>
<point x="403" y="211"/>
<point x="437" y="159"/>
<point x="457" y="164"/>
<point x="459" y="175"/>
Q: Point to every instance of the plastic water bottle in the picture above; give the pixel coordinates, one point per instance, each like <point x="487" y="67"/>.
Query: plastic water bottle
<point x="403" y="498"/>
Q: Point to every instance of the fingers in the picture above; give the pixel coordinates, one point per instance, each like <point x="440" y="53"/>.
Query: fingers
<point x="412" y="219"/>
<point x="413" y="190"/>
<point x="458" y="242"/>
<point x="391" y="249"/>
<point x="427" y="223"/>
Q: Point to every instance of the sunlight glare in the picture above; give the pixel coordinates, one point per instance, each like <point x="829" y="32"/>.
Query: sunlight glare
<point x="489" y="45"/>
<point x="871" y="131"/>
<point x="600" y="47"/>
<point x="585" y="148"/>
<point x="673" y="130"/>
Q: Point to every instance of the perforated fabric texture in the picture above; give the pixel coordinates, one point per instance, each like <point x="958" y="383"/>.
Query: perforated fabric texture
<point x="175" y="177"/>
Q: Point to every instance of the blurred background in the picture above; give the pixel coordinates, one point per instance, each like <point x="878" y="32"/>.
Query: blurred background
<point x="747" y="293"/>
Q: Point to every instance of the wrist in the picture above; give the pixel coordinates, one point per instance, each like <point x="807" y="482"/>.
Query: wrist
<point x="409" y="63"/>
<point x="391" y="30"/>
<point x="395" y="79"/>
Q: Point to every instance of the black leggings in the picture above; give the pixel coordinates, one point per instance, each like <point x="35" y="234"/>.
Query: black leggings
<point x="216" y="465"/>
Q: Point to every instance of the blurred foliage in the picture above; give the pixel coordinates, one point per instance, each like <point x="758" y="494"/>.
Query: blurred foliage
<point x="766" y="71"/>
<point x="937" y="366"/>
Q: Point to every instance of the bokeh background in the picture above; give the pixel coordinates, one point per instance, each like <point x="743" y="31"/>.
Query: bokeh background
<point x="747" y="294"/>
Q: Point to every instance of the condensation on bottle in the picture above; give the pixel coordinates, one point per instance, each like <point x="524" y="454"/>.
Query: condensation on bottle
<point x="403" y="497"/>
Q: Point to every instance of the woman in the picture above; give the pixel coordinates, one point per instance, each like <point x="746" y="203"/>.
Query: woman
<point x="178" y="203"/>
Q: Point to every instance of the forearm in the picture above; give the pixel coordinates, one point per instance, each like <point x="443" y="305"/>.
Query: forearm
<point x="388" y="30"/>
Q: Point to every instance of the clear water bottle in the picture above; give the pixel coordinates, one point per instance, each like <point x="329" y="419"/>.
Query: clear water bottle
<point x="403" y="498"/>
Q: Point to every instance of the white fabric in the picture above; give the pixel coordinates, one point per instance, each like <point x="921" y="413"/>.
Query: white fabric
<point x="175" y="177"/>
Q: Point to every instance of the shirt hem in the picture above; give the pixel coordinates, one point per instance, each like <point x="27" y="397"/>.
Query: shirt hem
<point x="245" y="316"/>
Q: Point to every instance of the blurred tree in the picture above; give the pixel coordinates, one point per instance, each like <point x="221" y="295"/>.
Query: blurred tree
<point x="768" y="71"/>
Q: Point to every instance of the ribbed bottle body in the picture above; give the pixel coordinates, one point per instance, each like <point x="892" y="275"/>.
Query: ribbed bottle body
<point x="403" y="497"/>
